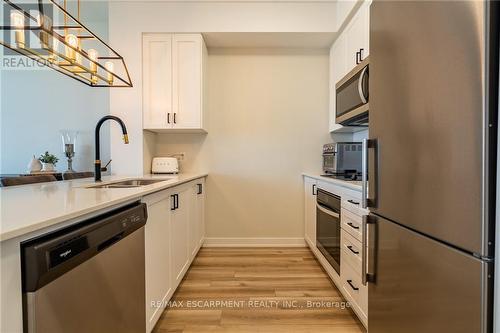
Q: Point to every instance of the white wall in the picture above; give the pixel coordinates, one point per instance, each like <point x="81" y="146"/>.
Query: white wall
<point x="129" y="19"/>
<point x="37" y="104"/>
<point x="267" y="123"/>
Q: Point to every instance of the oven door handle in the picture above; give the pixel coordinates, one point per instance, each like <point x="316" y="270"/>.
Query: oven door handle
<point x="327" y="211"/>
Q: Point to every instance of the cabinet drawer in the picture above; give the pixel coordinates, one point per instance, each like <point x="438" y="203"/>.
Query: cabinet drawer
<point x="351" y="223"/>
<point x="351" y="251"/>
<point x="354" y="290"/>
<point x="353" y="205"/>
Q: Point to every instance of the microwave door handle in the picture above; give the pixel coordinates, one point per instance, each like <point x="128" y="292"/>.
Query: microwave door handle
<point x="360" y="85"/>
<point x="327" y="211"/>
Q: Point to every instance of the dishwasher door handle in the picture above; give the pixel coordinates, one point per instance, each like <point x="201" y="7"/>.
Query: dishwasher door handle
<point x="110" y="241"/>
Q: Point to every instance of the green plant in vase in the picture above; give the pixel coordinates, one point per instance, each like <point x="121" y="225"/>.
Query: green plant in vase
<point x="49" y="162"/>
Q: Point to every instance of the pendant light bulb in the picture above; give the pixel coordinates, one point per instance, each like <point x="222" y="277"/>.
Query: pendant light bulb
<point x="17" y="21"/>
<point x="93" y="54"/>
<point x="109" y="67"/>
<point x="46" y="30"/>
<point x="72" y="41"/>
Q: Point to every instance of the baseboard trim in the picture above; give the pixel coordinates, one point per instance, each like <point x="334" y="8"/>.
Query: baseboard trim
<point x="254" y="242"/>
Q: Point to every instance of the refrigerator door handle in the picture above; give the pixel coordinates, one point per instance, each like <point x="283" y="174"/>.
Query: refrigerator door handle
<point x="364" y="174"/>
<point x="365" y="200"/>
<point x="367" y="276"/>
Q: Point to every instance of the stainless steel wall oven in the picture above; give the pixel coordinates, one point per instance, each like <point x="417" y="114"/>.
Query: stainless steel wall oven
<point x="328" y="227"/>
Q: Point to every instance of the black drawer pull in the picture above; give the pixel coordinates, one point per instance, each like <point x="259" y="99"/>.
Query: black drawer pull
<point x="172" y="207"/>
<point x="353" y="202"/>
<point x="352" y="226"/>
<point x="353" y="251"/>
<point x="352" y="286"/>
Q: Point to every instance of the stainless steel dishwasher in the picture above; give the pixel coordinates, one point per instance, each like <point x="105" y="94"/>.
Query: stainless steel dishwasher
<point x="87" y="278"/>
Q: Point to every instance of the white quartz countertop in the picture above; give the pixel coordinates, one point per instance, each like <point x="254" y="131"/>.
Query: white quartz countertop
<point x="353" y="185"/>
<point x="28" y="208"/>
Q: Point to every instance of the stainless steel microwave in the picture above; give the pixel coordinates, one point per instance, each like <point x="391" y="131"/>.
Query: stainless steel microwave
<point x="351" y="106"/>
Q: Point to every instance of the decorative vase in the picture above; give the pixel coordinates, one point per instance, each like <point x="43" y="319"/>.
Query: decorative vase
<point x="48" y="167"/>
<point x="35" y="165"/>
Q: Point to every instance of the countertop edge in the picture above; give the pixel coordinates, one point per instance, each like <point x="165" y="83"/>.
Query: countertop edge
<point x="333" y="181"/>
<point x="15" y="233"/>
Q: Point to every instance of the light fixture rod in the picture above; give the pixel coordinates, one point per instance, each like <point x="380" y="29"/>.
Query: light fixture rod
<point x="93" y="75"/>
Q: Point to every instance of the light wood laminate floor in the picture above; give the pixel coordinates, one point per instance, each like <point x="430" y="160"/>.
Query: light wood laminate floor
<point x="257" y="290"/>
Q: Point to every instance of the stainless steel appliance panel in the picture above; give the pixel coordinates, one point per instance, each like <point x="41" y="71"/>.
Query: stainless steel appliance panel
<point x="429" y="119"/>
<point x="422" y="285"/>
<point x="87" y="277"/>
<point x="328" y="227"/>
<point x="342" y="157"/>
<point x="352" y="95"/>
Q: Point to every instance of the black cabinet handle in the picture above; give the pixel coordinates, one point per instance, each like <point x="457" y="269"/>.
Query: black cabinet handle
<point x="361" y="55"/>
<point x="352" y="286"/>
<point x="168" y="118"/>
<point x="172" y="206"/>
<point x="352" y="226"/>
<point x="353" y="251"/>
<point x="176" y="201"/>
<point x="353" y="202"/>
<point x="175" y="120"/>
<point x="200" y="188"/>
<point x="358" y="55"/>
<point x="314" y="189"/>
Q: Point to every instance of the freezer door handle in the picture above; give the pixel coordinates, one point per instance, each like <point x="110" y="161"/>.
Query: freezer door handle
<point x="367" y="260"/>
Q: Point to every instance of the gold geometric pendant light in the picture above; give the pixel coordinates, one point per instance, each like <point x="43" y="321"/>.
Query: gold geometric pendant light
<point x="46" y="32"/>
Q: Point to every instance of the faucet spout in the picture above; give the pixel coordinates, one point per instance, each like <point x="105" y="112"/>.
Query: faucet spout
<point x="97" y="162"/>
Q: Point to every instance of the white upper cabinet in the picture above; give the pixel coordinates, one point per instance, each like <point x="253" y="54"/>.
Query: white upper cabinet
<point x="350" y="48"/>
<point x="157" y="93"/>
<point x="173" y="82"/>
<point x="358" y="37"/>
<point x="338" y="68"/>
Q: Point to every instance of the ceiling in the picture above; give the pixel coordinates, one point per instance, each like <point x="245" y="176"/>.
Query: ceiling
<point x="295" y="40"/>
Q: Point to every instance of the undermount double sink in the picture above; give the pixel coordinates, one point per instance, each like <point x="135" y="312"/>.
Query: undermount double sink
<point x="130" y="183"/>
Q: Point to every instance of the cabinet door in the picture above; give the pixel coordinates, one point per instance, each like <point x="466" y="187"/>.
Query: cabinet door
<point x="157" y="81"/>
<point x="180" y="205"/>
<point x="157" y="251"/>
<point x="310" y="210"/>
<point x="357" y="35"/>
<point x="365" y="13"/>
<point x="187" y="54"/>
<point x="337" y="71"/>
<point x="197" y="227"/>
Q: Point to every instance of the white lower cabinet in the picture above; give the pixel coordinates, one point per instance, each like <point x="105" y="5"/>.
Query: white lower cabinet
<point x="349" y="281"/>
<point x="354" y="290"/>
<point x="197" y="221"/>
<point x="174" y="233"/>
<point x="158" y="251"/>
<point x="310" y="210"/>
<point x="180" y="199"/>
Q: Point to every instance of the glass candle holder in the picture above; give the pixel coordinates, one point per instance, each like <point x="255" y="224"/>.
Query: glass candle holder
<point x="69" y="143"/>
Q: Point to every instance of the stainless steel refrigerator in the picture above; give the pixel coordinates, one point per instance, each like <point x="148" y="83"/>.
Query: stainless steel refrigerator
<point x="432" y="166"/>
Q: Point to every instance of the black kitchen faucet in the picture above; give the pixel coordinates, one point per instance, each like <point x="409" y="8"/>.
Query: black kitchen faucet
<point x="97" y="162"/>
